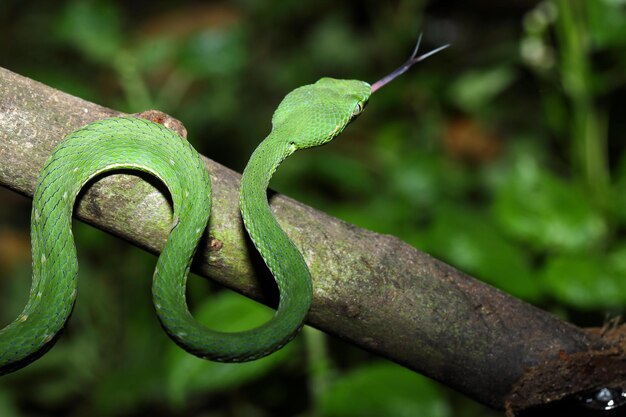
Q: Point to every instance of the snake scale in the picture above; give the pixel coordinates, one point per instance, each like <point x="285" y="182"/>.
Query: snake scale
<point x="309" y="116"/>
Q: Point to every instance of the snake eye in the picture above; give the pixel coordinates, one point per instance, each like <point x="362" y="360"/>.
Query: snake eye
<point x="358" y="109"/>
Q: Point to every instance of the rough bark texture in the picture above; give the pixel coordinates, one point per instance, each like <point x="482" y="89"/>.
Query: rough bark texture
<point x="370" y="289"/>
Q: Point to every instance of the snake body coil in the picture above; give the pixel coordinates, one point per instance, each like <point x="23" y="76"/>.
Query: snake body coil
<point x="107" y="145"/>
<point x="309" y="116"/>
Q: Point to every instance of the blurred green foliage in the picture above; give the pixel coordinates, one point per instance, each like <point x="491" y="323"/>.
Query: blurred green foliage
<point x="501" y="156"/>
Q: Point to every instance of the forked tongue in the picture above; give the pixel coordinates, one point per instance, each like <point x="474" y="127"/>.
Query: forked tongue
<point x="414" y="59"/>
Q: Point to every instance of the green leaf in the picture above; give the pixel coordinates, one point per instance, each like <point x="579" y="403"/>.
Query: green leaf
<point x="606" y="22"/>
<point x="227" y="311"/>
<point x="346" y="174"/>
<point x="334" y="45"/>
<point x="418" y="179"/>
<point x="7" y="405"/>
<point x="546" y="212"/>
<point x="214" y="53"/>
<point x="588" y="281"/>
<point x="156" y="52"/>
<point x="66" y="82"/>
<point x="326" y="173"/>
<point x="619" y="194"/>
<point x="475" y="89"/>
<point x="383" y="389"/>
<point x="472" y="243"/>
<point x="92" y="27"/>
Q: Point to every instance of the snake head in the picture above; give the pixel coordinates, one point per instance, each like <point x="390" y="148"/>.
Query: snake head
<point x="314" y="114"/>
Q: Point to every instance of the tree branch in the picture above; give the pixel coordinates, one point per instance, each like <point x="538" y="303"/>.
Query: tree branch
<point x="372" y="290"/>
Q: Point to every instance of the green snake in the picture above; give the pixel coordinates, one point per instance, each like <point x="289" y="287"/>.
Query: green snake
<point x="309" y="116"/>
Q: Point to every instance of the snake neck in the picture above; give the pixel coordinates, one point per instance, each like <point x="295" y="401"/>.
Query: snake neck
<point x="255" y="209"/>
<point x="262" y="165"/>
<point x="279" y="253"/>
<point x="255" y="180"/>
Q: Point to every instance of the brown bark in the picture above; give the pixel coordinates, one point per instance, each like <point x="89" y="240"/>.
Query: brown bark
<point x="370" y="289"/>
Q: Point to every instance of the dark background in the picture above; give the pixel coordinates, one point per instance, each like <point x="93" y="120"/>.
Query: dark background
<point x="502" y="155"/>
